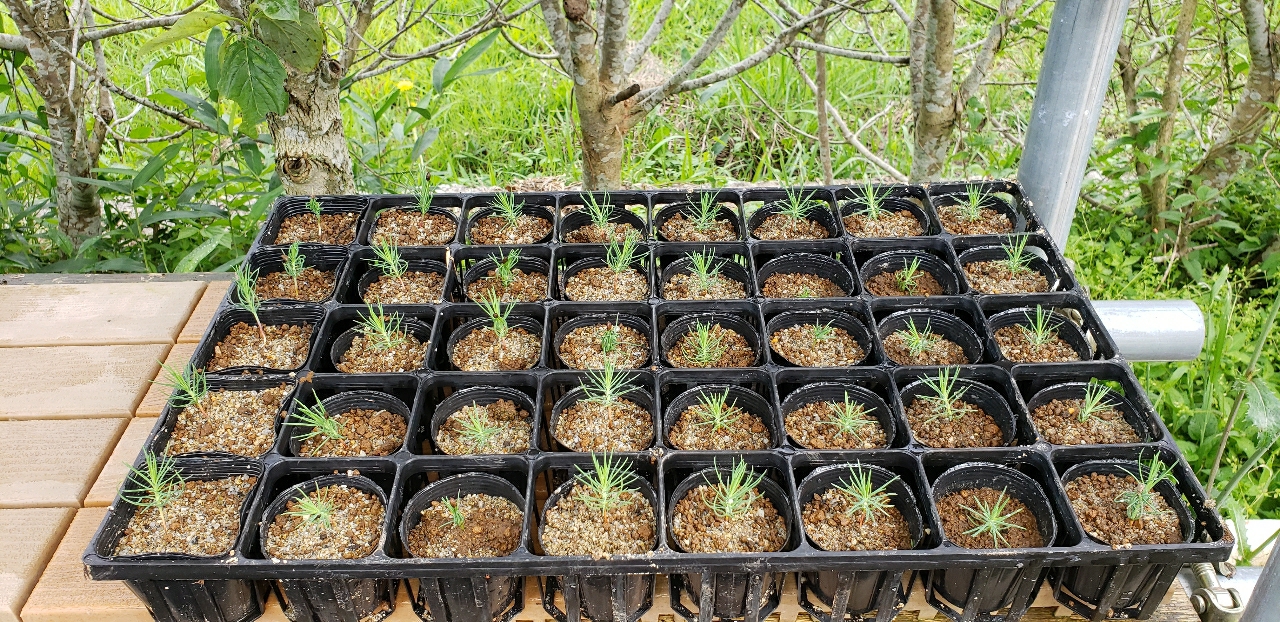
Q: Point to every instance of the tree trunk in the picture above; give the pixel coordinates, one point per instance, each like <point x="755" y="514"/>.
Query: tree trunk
<point x="603" y="128"/>
<point x="936" y="109"/>
<point x="310" y="145"/>
<point x="78" y="206"/>
<point x="1170" y="102"/>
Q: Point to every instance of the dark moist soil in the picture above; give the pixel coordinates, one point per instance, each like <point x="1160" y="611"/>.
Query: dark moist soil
<point x="494" y="230"/>
<point x="681" y="229"/>
<point x="524" y="287"/>
<point x="974" y="428"/>
<point x="801" y="285"/>
<point x="684" y="286"/>
<point x="237" y="422"/>
<point x="605" y="284"/>
<point x="409" y="227"/>
<point x="287" y="347"/>
<point x="1015" y="346"/>
<point x="890" y="225"/>
<point x="366" y="432"/>
<point x="699" y="530"/>
<point x="1094" y="498"/>
<point x="786" y="227"/>
<point x="886" y="284"/>
<point x="994" y="277"/>
<point x="737" y="352"/>
<point x="745" y="433"/>
<point x="833" y="525"/>
<point x="490" y="528"/>
<point x="313" y="285"/>
<point x="797" y="345"/>
<point x="513" y="424"/>
<point x="990" y="222"/>
<point x="354" y="530"/>
<point x="944" y="351"/>
<point x="956" y="520"/>
<point x="337" y="229"/>
<point x="363" y="358"/>
<point x="412" y="288"/>
<point x="481" y="350"/>
<point x="581" y="347"/>
<point x="810" y="425"/>
<point x="592" y="426"/>
<point x="591" y="234"/>
<point x="204" y="520"/>
<point x="1059" y="423"/>
<point x="571" y="527"/>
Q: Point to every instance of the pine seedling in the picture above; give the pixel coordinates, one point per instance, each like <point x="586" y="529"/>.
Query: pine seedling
<point x="387" y="259"/>
<point x="974" y="199"/>
<point x="873" y="201"/>
<point x="797" y="205"/>
<point x="806" y="292"/>
<point x="1143" y="503"/>
<point x="909" y="276"/>
<point x="189" y="385"/>
<point x="317" y="422"/>
<point x="611" y="338"/>
<point x="600" y="210"/>
<point x="820" y="332"/>
<point x="294" y="263"/>
<point x="247" y="293"/>
<point x="705" y="212"/>
<point x="706" y="347"/>
<point x="382" y="330"/>
<point x="945" y="395"/>
<point x="605" y="483"/>
<point x="717" y="412"/>
<point x="454" y="508"/>
<point x="733" y="498"/>
<point x="505" y="207"/>
<point x="476" y="428"/>
<point x="158" y="483"/>
<point x="705" y="267"/>
<point x="606" y="386"/>
<point x="426" y="191"/>
<point x="1094" y="402"/>
<point x="492" y="307"/>
<point x="991" y="520"/>
<point x="620" y="255"/>
<point x="1017" y="260"/>
<point x="850" y="418"/>
<point x="315" y="208"/>
<point x="315" y="510"/>
<point x="504" y="266"/>
<point x="1042" y="327"/>
<point x="918" y="342"/>
<point x="865" y="499"/>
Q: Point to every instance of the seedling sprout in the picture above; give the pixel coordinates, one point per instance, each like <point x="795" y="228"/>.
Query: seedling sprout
<point x="850" y="417"/>
<point x="908" y="276"/>
<point x="190" y="386"/>
<point x="706" y="347"/>
<point x="1017" y="260"/>
<point x="974" y="200"/>
<point x="600" y="210"/>
<point x="476" y="427"/>
<point x="247" y="293"/>
<point x="620" y="255"/>
<point x="605" y="483"/>
<point x="945" y="395"/>
<point x="821" y="332"/>
<point x="991" y="520"/>
<point x="1143" y="502"/>
<point x="606" y="386"/>
<point x="314" y="207"/>
<point x="158" y="483"/>
<point x="318" y="423"/>
<point x="1095" y="401"/>
<point x="806" y="292"/>
<point x="734" y="498"/>
<point x="426" y="191"/>
<point x="387" y="259"/>
<point x="315" y="509"/>
<point x="918" y="342"/>
<point x="505" y="207"/>
<point x="492" y="307"/>
<point x="797" y="205"/>
<point x="717" y="412"/>
<point x="1042" y="327"/>
<point x="294" y="263"/>
<point x="611" y="338"/>
<point x="866" y="500"/>
<point x="382" y="330"/>
<point x="705" y="268"/>
<point x="705" y="212"/>
<point x="454" y="508"/>
<point x="503" y="265"/>
<point x="874" y="202"/>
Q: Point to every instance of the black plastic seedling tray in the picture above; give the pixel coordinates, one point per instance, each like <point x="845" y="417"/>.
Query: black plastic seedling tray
<point x="1073" y="562"/>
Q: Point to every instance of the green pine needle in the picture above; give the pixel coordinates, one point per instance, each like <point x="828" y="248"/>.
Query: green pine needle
<point x="505" y="207"/>
<point x="918" y="342"/>
<point x="945" y="395"/>
<point x="734" y="497"/>
<point x="189" y="385"/>
<point x="158" y="483"/>
<point x="850" y="418"/>
<point x="866" y="500"/>
<point x="382" y="330"/>
<point x="1144" y="503"/>
<point x="607" y="386"/>
<point x="717" y="412"/>
<point x="704" y="267"/>
<point x="605" y="483"/>
<point x="1017" y="260"/>
<point x="620" y="255"/>
<point x="317" y="422"/>
<point x="600" y="210"/>
<point x="454" y="508"/>
<point x="504" y="265"/>
<point x="992" y="520"/>
<point x="315" y="510"/>
<point x="498" y="315"/>
<point x="705" y="212"/>
<point x="707" y="346"/>
<point x="909" y="275"/>
<point x="1042" y="329"/>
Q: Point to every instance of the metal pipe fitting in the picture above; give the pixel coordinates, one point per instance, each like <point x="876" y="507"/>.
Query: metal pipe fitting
<point x="1154" y="330"/>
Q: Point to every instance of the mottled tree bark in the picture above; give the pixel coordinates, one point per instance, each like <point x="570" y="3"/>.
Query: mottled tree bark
<point x="310" y="144"/>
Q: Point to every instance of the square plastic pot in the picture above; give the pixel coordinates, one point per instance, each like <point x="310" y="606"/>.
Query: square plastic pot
<point x="442" y="395"/>
<point x="479" y="206"/>
<point x="1004" y="196"/>
<point x="668" y="204"/>
<point x="988" y="386"/>
<point x="896" y="198"/>
<point x="1047" y="260"/>
<point x="565" y="317"/>
<point x="833" y="262"/>
<point x="227" y="316"/>
<point x="294" y="205"/>
<point x="441" y="204"/>
<point x="343" y="322"/>
<point x="629" y="207"/>
<point x="748" y="389"/>
<point x="270" y="260"/>
<point x="1072" y="309"/>
<point x="872" y="388"/>
<point x="1039" y="384"/>
<point x="562" y="389"/>
<point x="876" y="256"/>
<point x="343" y="392"/>
<point x="574" y="258"/>
<point x="450" y="323"/>
<point x="674" y="258"/>
<point x="760" y="203"/>
<point x="361" y="272"/>
<point x="471" y="263"/>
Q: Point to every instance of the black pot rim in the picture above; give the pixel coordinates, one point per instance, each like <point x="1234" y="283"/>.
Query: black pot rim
<point x="1186" y="522"/>
<point x="1066" y="330"/>
<point x="639" y="396"/>
<point x="514" y="321"/>
<point x="800" y="398"/>
<point x="850" y="323"/>
<point x="903" y="497"/>
<point x="1006" y="415"/>
<point x="456" y="482"/>
<point x="936" y="266"/>
<point x="563" y="489"/>
<point x="281" y="500"/>
<point x="938" y="490"/>
<point x="418" y="328"/>
<point x="685" y="323"/>
<point x="451" y="405"/>
<point x="769" y="489"/>
<point x="946" y="324"/>
<point x="1068" y="390"/>
<point x="994" y="253"/>
<point x="840" y="274"/>
<point x="741" y="396"/>
<point x="634" y="322"/>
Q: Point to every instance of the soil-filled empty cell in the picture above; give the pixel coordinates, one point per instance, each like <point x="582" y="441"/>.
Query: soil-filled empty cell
<point x="195" y="517"/>
<point x="500" y="427"/>
<point x="601" y="512"/>
<point x="505" y="221"/>
<point x="495" y="343"/>
<point x="382" y="344"/>
<point x="715" y="421"/>
<point x="1092" y="419"/>
<point x="878" y="215"/>
<point x="800" y="285"/>
<point x="273" y="346"/>
<point x="817" y="345"/>
<point x="704" y="220"/>
<point x="338" y="229"/>
<point x="500" y="275"/>
<point x="919" y="345"/>
<point x="728" y="512"/>
<point x="1036" y="337"/>
<point x="1010" y="269"/>
<point x="946" y="413"/>
<point x="974" y="212"/>
<point x="792" y="218"/>
<point x="336" y="521"/>
<point x="472" y="525"/>
<point x="832" y="424"/>
<point x="598" y="416"/>
<point x="595" y="345"/>
<point x="1122" y="510"/>
<point x="237" y="422"/>
<point x="701" y="276"/>
<point x="856" y="514"/>
<point x="908" y="280"/>
<point x="413" y="227"/>
<point x="351" y="432"/>
<point x="987" y="518"/>
<point x="709" y="344"/>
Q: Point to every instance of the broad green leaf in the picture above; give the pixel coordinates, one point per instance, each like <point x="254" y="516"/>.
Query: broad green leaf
<point x="212" y="46"/>
<point x="1183" y="200"/>
<point x="299" y="43"/>
<point x="120" y="264"/>
<point x="1171" y="215"/>
<point x="121" y="187"/>
<point x="1263" y="407"/>
<point x="253" y="77"/>
<point x="197" y="254"/>
<point x="385" y="104"/>
<point x="201" y="109"/>
<point x="281" y="10"/>
<point x="155" y="165"/>
<point x="454" y="69"/>
<point x="423" y="142"/>
<point x="188" y="25"/>
<point x="439" y="71"/>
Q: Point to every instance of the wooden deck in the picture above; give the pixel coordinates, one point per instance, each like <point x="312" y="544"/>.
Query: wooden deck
<point x="76" y="402"/>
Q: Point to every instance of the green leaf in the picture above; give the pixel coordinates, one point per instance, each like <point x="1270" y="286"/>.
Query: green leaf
<point x="188" y="25"/>
<point x="253" y="77"/>
<point x="1183" y="200"/>
<point x="1171" y="215"/>
<point x="299" y="43"/>
<point x="155" y="165"/>
<point x="281" y="10"/>
<point x="439" y="71"/>
<point x="201" y="109"/>
<point x="423" y="142"/>
<point x="122" y="187"/>
<point x="446" y="73"/>
<point x="212" y="46"/>
<point x="197" y="254"/>
<point x="1263" y="407"/>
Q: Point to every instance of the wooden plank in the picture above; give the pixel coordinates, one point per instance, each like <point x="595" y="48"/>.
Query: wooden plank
<point x="30" y="537"/>
<point x="77" y="381"/>
<point x="65" y="594"/>
<point x="53" y="463"/>
<point x="112" y="475"/>
<point x="95" y="313"/>
<point x="157" y="394"/>
<point x="202" y="316"/>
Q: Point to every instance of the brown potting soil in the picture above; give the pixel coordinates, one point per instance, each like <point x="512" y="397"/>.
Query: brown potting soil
<point x="594" y="426"/>
<point x="886" y="284"/>
<point x="899" y="224"/>
<point x="801" y="285"/>
<point x="685" y="286"/>
<point x="798" y="346"/>
<point x="363" y="357"/>
<point x="203" y="519"/>
<point x="990" y="222"/>
<point x="693" y="432"/>
<point x="605" y="284"/>
<point x="811" y="426"/>
<point x="956" y="520"/>
<point x="943" y="352"/>
<point x="494" y="230"/>
<point x="1095" y="499"/>
<point x="571" y="527"/>
<point x="681" y="229"/>
<point x="366" y="432"/>
<point x="1059" y="423"/>
<point x="787" y="227"/>
<point x="581" y="347"/>
<point x="832" y="523"/>
<point x="973" y="428"/>
<point x="313" y="285"/>
<point x="1015" y="346"/>
<point x="760" y="529"/>
<point x="286" y="347"/>
<point x="737" y="351"/>
<point x="490" y="528"/>
<point x="409" y="227"/>
<point x="337" y="229"/>
<point x="524" y="287"/>
<point x="481" y="350"/>
<point x="413" y="288"/>
<point x="354" y="529"/>
<point x="237" y="422"/>
<point x="994" y="277"/>
<point x="513" y="428"/>
<point x="591" y="234"/>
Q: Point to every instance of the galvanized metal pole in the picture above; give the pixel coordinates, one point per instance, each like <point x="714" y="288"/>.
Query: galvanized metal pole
<point x="1078" y="56"/>
<point x="1153" y="330"/>
<point x="1265" y="600"/>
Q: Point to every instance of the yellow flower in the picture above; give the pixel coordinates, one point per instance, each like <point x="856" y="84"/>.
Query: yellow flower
<point x="405" y="85"/>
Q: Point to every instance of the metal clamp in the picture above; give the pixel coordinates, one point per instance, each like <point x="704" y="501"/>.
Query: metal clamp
<point x="1213" y="602"/>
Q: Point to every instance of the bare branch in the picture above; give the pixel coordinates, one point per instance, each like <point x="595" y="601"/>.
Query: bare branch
<point x="652" y="96"/>
<point x="526" y="51"/>
<point x="986" y="56"/>
<point x="650" y="36"/>
<point x="854" y="54"/>
<point x="356" y="28"/>
<point x="553" y="15"/>
<point x="5" y="129"/>
<point x="613" y="40"/>
<point x="139" y="24"/>
<point x="902" y="14"/>
<point x="13" y="43"/>
<point x="624" y="94"/>
<point x="582" y="39"/>
<point x="485" y="24"/>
